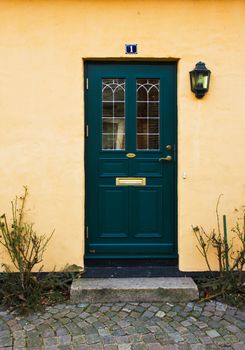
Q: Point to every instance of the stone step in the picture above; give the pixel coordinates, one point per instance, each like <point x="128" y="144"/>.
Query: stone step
<point x="156" y="289"/>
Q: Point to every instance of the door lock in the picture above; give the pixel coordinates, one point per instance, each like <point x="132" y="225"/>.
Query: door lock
<point x="168" y="159"/>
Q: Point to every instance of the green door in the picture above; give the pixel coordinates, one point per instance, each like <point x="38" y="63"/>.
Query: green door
<point x="131" y="129"/>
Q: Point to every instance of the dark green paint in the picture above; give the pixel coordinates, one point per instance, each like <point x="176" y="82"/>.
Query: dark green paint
<point x="131" y="221"/>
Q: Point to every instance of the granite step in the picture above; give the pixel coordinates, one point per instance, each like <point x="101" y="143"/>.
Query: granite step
<point x="156" y="289"/>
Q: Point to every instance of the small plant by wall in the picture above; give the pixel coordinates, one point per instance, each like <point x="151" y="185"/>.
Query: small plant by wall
<point x="25" y="247"/>
<point x="20" y="288"/>
<point x="229" y="282"/>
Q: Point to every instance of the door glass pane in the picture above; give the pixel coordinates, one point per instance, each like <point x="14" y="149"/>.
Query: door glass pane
<point x="107" y="109"/>
<point x="118" y="109"/>
<point x="141" y="141"/>
<point x="154" y="126"/>
<point x="113" y="114"/>
<point x="107" y="126"/>
<point x="107" y="141"/>
<point x="153" y="141"/>
<point x="148" y="114"/>
<point x="141" y="109"/>
<point x="142" y="126"/>
<point x="154" y="110"/>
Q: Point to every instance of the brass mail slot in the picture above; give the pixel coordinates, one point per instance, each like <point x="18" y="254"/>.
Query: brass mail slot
<point x="130" y="181"/>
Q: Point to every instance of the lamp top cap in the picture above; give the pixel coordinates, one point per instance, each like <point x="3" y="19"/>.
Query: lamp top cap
<point x="201" y="66"/>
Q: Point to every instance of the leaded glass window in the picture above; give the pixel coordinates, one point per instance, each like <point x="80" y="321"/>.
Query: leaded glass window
<point x="113" y="114"/>
<point x="148" y="114"/>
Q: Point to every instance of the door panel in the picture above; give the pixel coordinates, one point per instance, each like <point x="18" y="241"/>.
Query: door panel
<point x="131" y="116"/>
<point x="147" y="210"/>
<point x="113" y="214"/>
<point x="147" y="167"/>
<point x="113" y="167"/>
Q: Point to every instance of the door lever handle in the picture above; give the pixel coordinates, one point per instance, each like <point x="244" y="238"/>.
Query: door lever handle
<point x="168" y="159"/>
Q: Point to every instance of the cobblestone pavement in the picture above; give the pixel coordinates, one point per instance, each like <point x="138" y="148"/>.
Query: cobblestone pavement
<point x="126" y="326"/>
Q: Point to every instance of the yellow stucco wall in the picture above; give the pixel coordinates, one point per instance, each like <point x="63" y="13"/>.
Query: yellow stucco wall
<point x="42" y="47"/>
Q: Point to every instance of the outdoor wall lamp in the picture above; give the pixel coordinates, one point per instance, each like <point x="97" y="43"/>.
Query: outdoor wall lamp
<point x="200" y="77"/>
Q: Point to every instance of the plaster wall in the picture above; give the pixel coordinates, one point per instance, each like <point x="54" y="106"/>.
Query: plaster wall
<point x="42" y="47"/>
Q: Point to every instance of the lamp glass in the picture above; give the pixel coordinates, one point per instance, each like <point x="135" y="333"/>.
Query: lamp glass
<point x="200" y="77"/>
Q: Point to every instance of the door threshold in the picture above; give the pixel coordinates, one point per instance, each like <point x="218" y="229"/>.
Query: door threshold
<point x="132" y="272"/>
<point x="126" y="268"/>
<point x="89" y="262"/>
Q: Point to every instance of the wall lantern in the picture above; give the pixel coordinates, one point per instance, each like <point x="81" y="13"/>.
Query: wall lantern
<point x="200" y="77"/>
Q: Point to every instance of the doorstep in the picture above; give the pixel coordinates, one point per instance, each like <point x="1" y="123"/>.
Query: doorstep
<point x="156" y="289"/>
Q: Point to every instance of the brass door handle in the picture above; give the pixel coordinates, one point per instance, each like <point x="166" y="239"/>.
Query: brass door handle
<point x="168" y="159"/>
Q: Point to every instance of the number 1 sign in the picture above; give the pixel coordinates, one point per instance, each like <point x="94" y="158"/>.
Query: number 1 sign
<point x="131" y="49"/>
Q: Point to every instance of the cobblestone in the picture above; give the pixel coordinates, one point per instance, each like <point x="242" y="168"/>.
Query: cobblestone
<point x="126" y="326"/>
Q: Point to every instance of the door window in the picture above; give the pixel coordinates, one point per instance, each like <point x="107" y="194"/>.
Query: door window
<point x="148" y="114"/>
<point x="113" y="114"/>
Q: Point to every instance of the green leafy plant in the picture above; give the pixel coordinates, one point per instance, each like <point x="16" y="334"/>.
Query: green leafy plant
<point x="25" y="248"/>
<point x="24" y="245"/>
<point x="229" y="284"/>
<point x="20" y="288"/>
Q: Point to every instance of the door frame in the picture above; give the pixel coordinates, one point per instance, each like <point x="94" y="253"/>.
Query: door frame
<point x="112" y="61"/>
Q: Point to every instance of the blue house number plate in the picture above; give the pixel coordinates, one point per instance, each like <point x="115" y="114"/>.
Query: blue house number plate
<point x="131" y="49"/>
